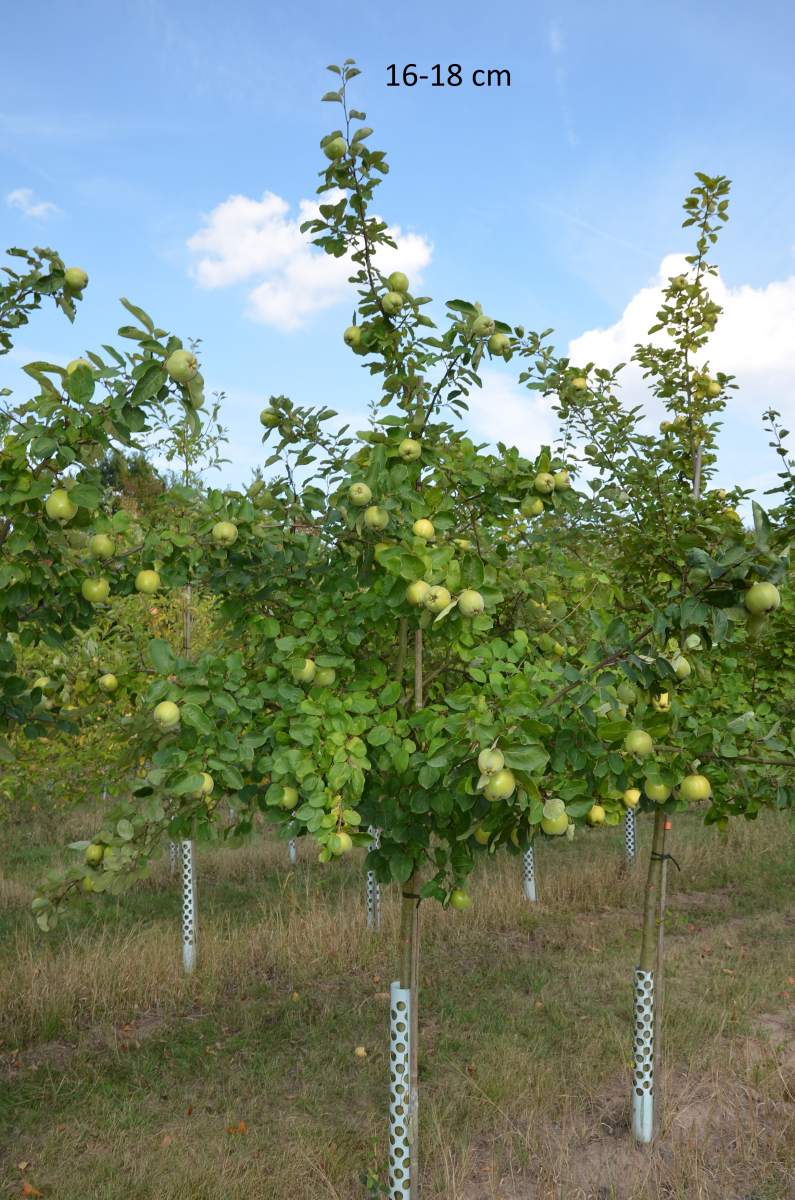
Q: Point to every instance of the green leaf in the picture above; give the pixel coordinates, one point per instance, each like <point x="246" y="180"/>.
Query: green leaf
<point x="578" y="808"/>
<point x="401" y="866"/>
<point x="161" y="656"/>
<point x="139" y="313"/>
<point x="193" y="716"/>
<point x="148" y="385"/>
<point x="232" y="777"/>
<point x="35" y="369"/>
<point x="86" y="495"/>
<point x="530" y="758"/>
<point x="136" y="335"/>
<point x="80" y="385"/>
<point x="428" y="776"/>
<point x="761" y="527"/>
<point x="411" y="567"/>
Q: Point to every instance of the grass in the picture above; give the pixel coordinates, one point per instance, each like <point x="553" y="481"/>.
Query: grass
<point x="122" y="1078"/>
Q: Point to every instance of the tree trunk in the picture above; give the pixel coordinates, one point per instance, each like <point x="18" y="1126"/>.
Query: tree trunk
<point x="659" y="976"/>
<point x="403" y="1107"/>
<point x="643" y="1048"/>
<point x="190" y="915"/>
<point x="404" y="1162"/>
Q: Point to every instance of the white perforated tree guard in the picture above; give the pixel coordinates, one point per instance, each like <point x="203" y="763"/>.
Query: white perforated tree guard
<point x="402" y="1103"/>
<point x="529" y="873"/>
<point x="630" y="841"/>
<point x="190" y="916"/>
<point x="643" y="1058"/>
<point x="173" y="853"/>
<point x="374" y="888"/>
<point x="292" y="852"/>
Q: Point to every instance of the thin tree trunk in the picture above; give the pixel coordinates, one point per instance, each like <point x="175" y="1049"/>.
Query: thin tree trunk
<point x="643" y="1091"/>
<point x="410" y="934"/>
<point x="190" y="914"/>
<point x="648" y="945"/>
<point x="697" y="472"/>
<point x="403" y="1109"/>
<point x="662" y="895"/>
<point x="659" y="976"/>
<point x="412" y="962"/>
<point x="404" y="1163"/>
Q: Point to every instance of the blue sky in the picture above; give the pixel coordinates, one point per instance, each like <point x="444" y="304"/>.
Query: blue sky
<point x="553" y="202"/>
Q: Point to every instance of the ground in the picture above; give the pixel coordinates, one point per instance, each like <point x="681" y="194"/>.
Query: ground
<point x="119" y="1078"/>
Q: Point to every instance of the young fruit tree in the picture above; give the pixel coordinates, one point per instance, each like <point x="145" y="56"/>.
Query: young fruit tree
<point x="62" y="538"/>
<point x="57" y="544"/>
<point x="408" y="641"/>
<point x="704" y="581"/>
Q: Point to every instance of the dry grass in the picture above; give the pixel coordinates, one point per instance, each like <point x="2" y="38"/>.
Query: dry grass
<point x="127" y="1076"/>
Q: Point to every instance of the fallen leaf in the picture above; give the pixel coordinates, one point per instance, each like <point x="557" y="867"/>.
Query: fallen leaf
<point x="167" y="1140"/>
<point x="23" y="1166"/>
<point x="29" y="1190"/>
<point x="190" y="1110"/>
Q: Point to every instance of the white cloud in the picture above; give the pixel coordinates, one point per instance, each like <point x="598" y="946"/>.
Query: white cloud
<point x="753" y="340"/>
<point x="503" y="411"/>
<point x="25" y="200"/>
<point x="258" y="241"/>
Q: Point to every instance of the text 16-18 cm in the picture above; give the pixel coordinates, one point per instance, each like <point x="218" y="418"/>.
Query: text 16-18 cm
<point x="450" y="76"/>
